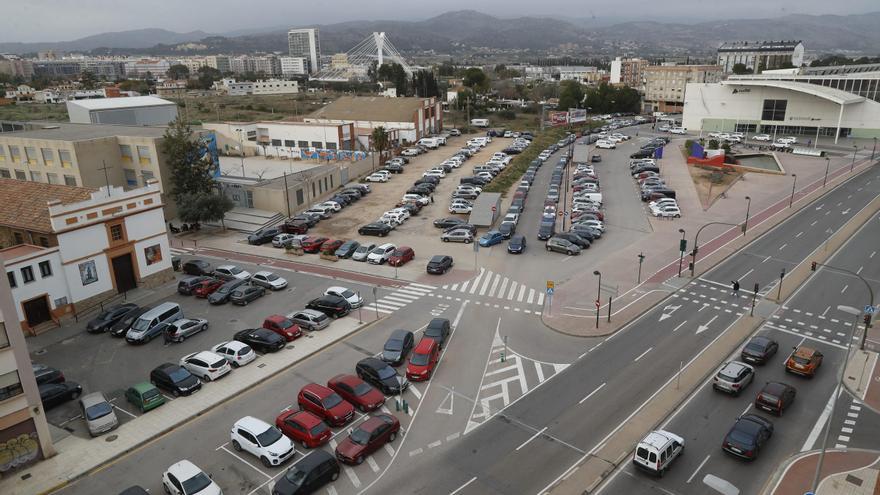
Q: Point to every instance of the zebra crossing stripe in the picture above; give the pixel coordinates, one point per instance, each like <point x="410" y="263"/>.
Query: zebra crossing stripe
<point x="512" y="290"/>
<point x="394" y="299"/>
<point x="540" y="299"/>
<point x="531" y="296"/>
<point x="423" y="286"/>
<point x="503" y="286"/>
<point x="486" y="284"/>
<point x="410" y="292"/>
<point x="477" y="281"/>
<point x="454" y="287"/>
<point x="494" y="285"/>
<point x="522" y="292"/>
<point x="393" y="304"/>
<point x="464" y="285"/>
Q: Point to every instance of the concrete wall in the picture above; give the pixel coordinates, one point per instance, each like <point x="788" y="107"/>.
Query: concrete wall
<point x="54" y="286"/>
<point x="158" y="115"/>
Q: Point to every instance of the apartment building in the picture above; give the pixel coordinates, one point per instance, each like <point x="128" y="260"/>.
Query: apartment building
<point x="294" y="66"/>
<point x="758" y="56"/>
<point x="219" y="62"/>
<point x="628" y="71"/>
<point x="665" y="85"/>
<point x="15" y="66"/>
<point x="306" y="43"/>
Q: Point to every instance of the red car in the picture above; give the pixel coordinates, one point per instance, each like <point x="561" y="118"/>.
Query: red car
<point x="304" y="427"/>
<point x="313" y="244"/>
<point x="283" y="326"/>
<point x="330" y="246"/>
<point x="206" y="288"/>
<point x="401" y="255"/>
<point x="356" y="391"/>
<point x="325" y="403"/>
<point x="423" y="360"/>
<point x="370" y="436"/>
<point x="295" y="227"/>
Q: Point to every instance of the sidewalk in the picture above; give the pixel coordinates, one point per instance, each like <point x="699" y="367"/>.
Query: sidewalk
<point x="78" y="457"/>
<point x="851" y="472"/>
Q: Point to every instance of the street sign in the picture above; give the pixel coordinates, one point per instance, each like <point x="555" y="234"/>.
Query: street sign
<point x="560" y="212"/>
<point x="869" y="310"/>
<point x="549" y="291"/>
<point x="494" y="208"/>
<point x="598" y="304"/>
<point x="551" y="284"/>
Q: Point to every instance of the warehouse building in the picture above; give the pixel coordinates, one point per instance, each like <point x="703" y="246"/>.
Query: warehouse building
<point x="136" y="110"/>
<point x="412" y="118"/>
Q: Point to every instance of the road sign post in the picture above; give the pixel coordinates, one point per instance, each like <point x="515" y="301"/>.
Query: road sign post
<point x="682" y="248"/>
<point x="779" y="292"/>
<point x="359" y="308"/>
<point x="754" y="298"/>
<point x="550" y="289"/>
<point x="375" y="303"/>
<point x="476" y="250"/>
<point x="641" y="259"/>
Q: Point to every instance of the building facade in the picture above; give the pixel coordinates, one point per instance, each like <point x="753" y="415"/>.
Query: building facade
<point x="294" y="66"/>
<point x="628" y="71"/>
<point x="219" y="62"/>
<point x="759" y="56"/>
<point x="411" y="118"/>
<point x="15" y="66"/>
<point x="138" y="110"/>
<point x="305" y="43"/>
<point x="666" y="85"/>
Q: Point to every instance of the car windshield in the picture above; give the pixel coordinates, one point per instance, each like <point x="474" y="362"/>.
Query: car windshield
<point x="178" y="375"/>
<point x="271" y="277"/>
<point x="270" y="436"/>
<point x="363" y="249"/>
<point x="360" y="436"/>
<point x="284" y="324"/>
<point x="347" y="293"/>
<point x="149" y="394"/>
<point x="295" y="476"/>
<point x="767" y="396"/>
<point x="141" y="325"/>
<point x="755" y="347"/>
<point x="741" y="437"/>
<point x="331" y="401"/>
<point x="105" y="315"/>
<point x="394" y="345"/>
<point x="378" y="251"/>
<point x="386" y="372"/>
<point x="437" y="259"/>
<point x="235" y="270"/>
<point x="800" y="360"/>
<point x="397" y="252"/>
<point x="419" y="359"/>
<point x="224" y="289"/>
<point x="197" y="483"/>
<point x="98" y="411"/>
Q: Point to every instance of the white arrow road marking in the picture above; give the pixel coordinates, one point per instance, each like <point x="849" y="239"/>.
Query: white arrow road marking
<point x="704" y="327"/>
<point x="845" y="212"/>
<point x="450" y="396"/>
<point x="668" y="315"/>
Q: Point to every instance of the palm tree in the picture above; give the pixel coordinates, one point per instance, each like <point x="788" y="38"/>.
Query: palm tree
<point x="380" y="141"/>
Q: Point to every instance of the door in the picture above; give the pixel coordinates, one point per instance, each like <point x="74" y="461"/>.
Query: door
<point x="123" y="273"/>
<point x="36" y="311"/>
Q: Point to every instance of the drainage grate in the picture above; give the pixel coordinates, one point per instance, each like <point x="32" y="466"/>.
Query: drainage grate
<point x="855" y="481"/>
<point x="26" y="476"/>
<point x="261" y="365"/>
<point x="111" y="438"/>
<point x="40" y="352"/>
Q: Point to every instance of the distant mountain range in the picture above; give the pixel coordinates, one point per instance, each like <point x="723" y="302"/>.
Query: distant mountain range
<point x="467" y="31"/>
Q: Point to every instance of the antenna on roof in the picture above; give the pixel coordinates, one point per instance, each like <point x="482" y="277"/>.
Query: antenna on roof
<point x="106" y="177"/>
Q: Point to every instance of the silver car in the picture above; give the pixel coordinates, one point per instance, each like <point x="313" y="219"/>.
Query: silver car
<point x="183" y="328"/>
<point x="457" y="235"/>
<point x="734" y="377"/>
<point x="310" y="319"/>
<point x="98" y="413"/>
<point x="363" y="251"/>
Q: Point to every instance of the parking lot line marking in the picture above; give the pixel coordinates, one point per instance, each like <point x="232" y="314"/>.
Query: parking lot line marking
<point x="495" y="282"/>
<point x="503" y="287"/>
<point x="166" y="397"/>
<point x="746" y="409"/>
<point x="452" y="437"/>
<point x="246" y="462"/>
<point x="331" y="490"/>
<point x="522" y="292"/>
<point x="416" y="452"/>
<point x="766" y="259"/>
<point x="434" y="444"/>
<point x="476" y="281"/>
<point x="462" y="487"/>
<point x="512" y="290"/>
<point x="373" y="465"/>
<point x="643" y="354"/>
<point x="698" y="468"/>
<point x="844" y="289"/>
<point x="592" y="393"/>
<point x="542" y="430"/>
<point x="123" y="410"/>
<point x="78" y="416"/>
<point x="415" y="391"/>
<point x="454" y="287"/>
<point x="385" y="409"/>
<point x="843" y="438"/>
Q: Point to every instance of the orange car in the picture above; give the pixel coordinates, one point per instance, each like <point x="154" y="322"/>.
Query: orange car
<point x="804" y="361"/>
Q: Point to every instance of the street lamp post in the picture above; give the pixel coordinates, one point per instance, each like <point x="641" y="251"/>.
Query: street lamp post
<point x="748" y="207"/>
<point x="793" y="184"/>
<point x="696" y="247"/>
<point x="853" y="165"/>
<point x="855" y="312"/>
<point x="681" y="249"/>
<point x="827" y="165"/>
<point x="873" y="149"/>
<point x="598" y="295"/>
<point x="641" y="259"/>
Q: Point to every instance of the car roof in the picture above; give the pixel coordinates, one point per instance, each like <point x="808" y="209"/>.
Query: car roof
<point x="372" y="423"/>
<point x="374" y="363"/>
<point x="437" y="322"/>
<point x="399" y="334"/>
<point x="205" y="355"/>
<point x="233" y="344"/>
<point x="424" y="345"/>
<point x="92" y="399"/>
<point x="227" y="267"/>
<point x="336" y="288"/>
<point x="775" y="388"/>
<point x="184" y="470"/>
<point x="252" y="424"/>
<point x="656" y="439"/>
<point x="805" y="352"/>
<point x="305" y="418"/>
<point x="265" y="273"/>
<point x="348" y="379"/>
<point x="320" y="390"/>
<point x="143" y="386"/>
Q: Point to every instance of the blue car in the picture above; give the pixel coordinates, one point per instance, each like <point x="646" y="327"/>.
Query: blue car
<point x="491" y="238"/>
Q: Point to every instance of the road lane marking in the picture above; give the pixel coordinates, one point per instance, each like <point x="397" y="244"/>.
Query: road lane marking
<point x="799" y="234"/>
<point x="591" y="393"/>
<point x="434" y="444"/>
<point x="415" y="452"/>
<point x="539" y="371"/>
<point x="462" y="487"/>
<point x="522" y="292"/>
<point x="452" y="437"/>
<point x="373" y="465"/>
<point x="389" y="449"/>
<point x="824" y="312"/>
<point x="766" y="259"/>
<point x="783" y="246"/>
<point x="698" y="468"/>
<point x="643" y="354"/>
<point x="679" y="325"/>
<point x="415" y="391"/>
<point x="542" y="430"/>
<point x="844" y="290"/>
<point x="476" y="281"/>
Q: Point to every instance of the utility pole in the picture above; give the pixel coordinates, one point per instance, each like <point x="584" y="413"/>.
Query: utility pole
<point x="106" y="177"/>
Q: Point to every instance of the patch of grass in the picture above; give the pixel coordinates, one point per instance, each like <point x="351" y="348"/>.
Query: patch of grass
<point x="54" y="112"/>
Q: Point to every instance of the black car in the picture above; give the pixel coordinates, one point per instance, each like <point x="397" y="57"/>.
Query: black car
<point x="643" y="153"/>
<point x="438" y="329"/>
<point x="120" y="328"/>
<point x="518" y="202"/>
<point x="585" y="231"/>
<point x="422" y="190"/>
<point x="197" y="267"/>
<point x="263" y="236"/>
<point x="221" y="295"/>
<point x="309" y="220"/>
<point x="53" y="394"/>
<point x="187" y="285"/>
<point x="439" y="264"/>
<point x="394" y="168"/>
<point x="248" y="293"/>
<point x="507" y="229"/>
<point x="517" y="244"/>
<point x="546" y="230"/>
<point x="308" y="475"/>
<point x="596" y="158"/>
<point x="376" y="228"/>
<point x="412" y="207"/>
<point x="47" y="374"/>
<point x="759" y="349"/>
<point x="466" y="226"/>
<point x="397" y="347"/>
<point x="261" y="339"/>
<point x="427" y="182"/>
<point x="342" y="200"/>
<point x="353" y="191"/>
<point x="381" y="375"/>
<point x="134" y="490"/>
<point x="175" y="379"/>
<point x="574" y="239"/>
<point x="351" y="194"/>
<point x="431" y="179"/>
<point x="330" y="305"/>
<point x="109" y="317"/>
<point x="747" y="436"/>
<point x="347" y="249"/>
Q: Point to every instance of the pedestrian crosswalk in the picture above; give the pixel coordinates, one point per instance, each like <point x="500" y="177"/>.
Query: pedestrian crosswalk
<point x="180" y="251"/>
<point x="400" y="298"/>
<point x="507" y="377"/>
<point x="494" y="285"/>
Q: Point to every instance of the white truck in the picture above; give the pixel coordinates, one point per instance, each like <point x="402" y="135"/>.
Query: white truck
<point x="480" y="122"/>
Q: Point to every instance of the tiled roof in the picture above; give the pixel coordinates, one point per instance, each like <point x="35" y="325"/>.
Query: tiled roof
<point x="24" y="202"/>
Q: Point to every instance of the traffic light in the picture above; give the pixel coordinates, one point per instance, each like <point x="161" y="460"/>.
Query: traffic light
<point x="813" y="266"/>
<point x="867" y="320"/>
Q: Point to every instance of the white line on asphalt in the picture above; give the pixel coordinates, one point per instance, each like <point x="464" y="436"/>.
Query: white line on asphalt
<point x="244" y="461"/>
<point x="522" y="292"/>
<point x="783" y="246"/>
<point x="486" y="284"/>
<point x="766" y="259"/>
<point x="502" y="370"/>
<point x="429" y="287"/>
<point x="698" y="468"/>
<point x="643" y="354"/>
<point x="679" y="325"/>
<point x="389" y="449"/>
<point x="476" y="281"/>
<point x="462" y="487"/>
<point x="859" y="270"/>
<point x="843" y="438"/>
<point x="591" y="393"/>
<point x="373" y="465"/>
<point x="799" y="234"/>
<point x="872" y="254"/>
<point x="78" y="416"/>
<point x="746" y="409"/>
<point x="814" y="223"/>
<point x="415" y="391"/>
<point x="409" y="293"/>
<point x="454" y="287"/>
<point x="330" y="490"/>
<point x="494" y="285"/>
<point x="452" y="437"/>
<point x="826" y="311"/>
<point x="849" y="422"/>
<point x="464" y="286"/>
<point x="512" y="290"/>
<point x="540" y="301"/>
<point x="848" y="431"/>
<point x="565" y="259"/>
<point x="123" y="410"/>
<point x="503" y="287"/>
<point x="393" y="301"/>
<point x="415" y="452"/>
<point x="434" y="444"/>
<point x="542" y="430"/>
<point x="531" y="296"/>
<point x="805" y="336"/>
<point x="844" y="288"/>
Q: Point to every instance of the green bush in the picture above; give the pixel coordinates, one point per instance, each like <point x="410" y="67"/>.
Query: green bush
<point x="507" y="114"/>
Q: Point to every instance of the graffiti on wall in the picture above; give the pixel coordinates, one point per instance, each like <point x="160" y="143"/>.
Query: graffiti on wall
<point x="19" y="446"/>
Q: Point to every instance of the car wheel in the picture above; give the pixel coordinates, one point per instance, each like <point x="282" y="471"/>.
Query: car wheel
<point x="661" y="473"/>
<point x="245" y="303"/>
<point x="206" y="378"/>
<point x="236" y="445"/>
<point x="445" y="239"/>
<point x="175" y="393"/>
<point x="266" y="461"/>
<point x="677" y="216"/>
<point x="392" y="437"/>
<point x="569" y="252"/>
<point x="166" y="488"/>
<point x="304" y="445"/>
<point x="75" y="395"/>
<point x="335" y="476"/>
<point x="359" y="460"/>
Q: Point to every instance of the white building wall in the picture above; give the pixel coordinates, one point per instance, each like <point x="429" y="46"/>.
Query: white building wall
<point x="83" y="242"/>
<point x="146" y="269"/>
<point x="78" y="291"/>
<point x="615" y="71"/>
<point x="55" y="285"/>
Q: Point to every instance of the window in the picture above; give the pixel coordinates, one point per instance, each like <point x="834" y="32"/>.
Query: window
<point x="331" y="181"/>
<point x="44" y="241"/>
<point x="5" y="173"/>
<point x="2" y="154"/>
<point x="48" y="156"/>
<point x="4" y="337"/>
<point x="36" y="176"/>
<point x="299" y="197"/>
<point x="325" y="184"/>
<point x="316" y="144"/>
<point x="69" y="180"/>
<point x="15" y="154"/>
<point x="64" y="158"/>
<point x="331" y="146"/>
<point x="45" y="268"/>
<point x="276" y="142"/>
<point x="11" y="277"/>
<point x="125" y="151"/>
<point x="50" y="178"/>
<point x="10" y="385"/>
<point x="116" y="232"/>
<point x="313" y="190"/>
<point x="144" y="155"/>
<point x="774" y="110"/>
<point x="20" y="175"/>
<point x="31" y="154"/>
<point x="19" y="239"/>
<point x="27" y="274"/>
<point x="131" y="178"/>
<point x="303" y="144"/>
<point x="290" y="143"/>
<point x="147" y="175"/>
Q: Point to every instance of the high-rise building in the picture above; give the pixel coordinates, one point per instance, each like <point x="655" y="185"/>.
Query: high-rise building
<point x="758" y="56"/>
<point x="219" y="62"/>
<point x="628" y="71"/>
<point x="305" y="43"/>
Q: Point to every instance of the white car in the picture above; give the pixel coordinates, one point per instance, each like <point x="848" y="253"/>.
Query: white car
<point x="236" y="353"/>
<point x="333" y="205"/>
<point x="206" y="365"/>
<point x="281" y="239"/>
<point x="185" y="478"/>
<point x="261" y="439"/>
<point x="762" y="137"/>
<point x="381" y="254"/>
<point x="663" y="128"/>
<point x="422" y="200"/>
<point x="231" y="272"/>
<point x="410" y="152"/>
<point x="512" y="218"/>
<point x="434" y="173"/>
<point x="678" y="130"/>
<point x="269" y="280"/>
<point x="733" y="139"/>
<point x="666" y="211"/>
<point x="349" y="295"/>
<point x="377" y="178"/>
<point x="596" y="224"/>
<point x="460" y="208"/>
<point x="714" y="135"/>
<point x="605" y="145"/>
<point x="787" y="140"/>
<point x="402" y="212"/>
<point x="663" y="202"/>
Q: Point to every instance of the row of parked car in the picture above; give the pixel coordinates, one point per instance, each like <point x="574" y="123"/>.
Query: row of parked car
<point x="653" y="188"/>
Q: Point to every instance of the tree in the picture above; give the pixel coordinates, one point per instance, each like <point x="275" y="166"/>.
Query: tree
<point x="476" y="79"/>
<point x="87" y="79"/>
<point x="204" y="208"/>
<point x="425" y="84"/>
<point x="740" y="69"/>
<point x="190" y="174"/>
<point x="178" y="71"/>
<point x="134" y="85"/>
<point x="380" y="140"/>
<point x="394" y="74"/>
<point x="205" y="78"/>
<point x="373" y="72"/>
<point x="571" y="95"/>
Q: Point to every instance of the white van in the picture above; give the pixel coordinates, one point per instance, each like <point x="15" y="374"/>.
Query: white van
<point x="595" y="197"/>
<point x="431" y="143"/>
<point x="680" y="130"/>
<point x="657" y="451"/>
<point x="480" y="122"/>
<point x="145" y="327"/>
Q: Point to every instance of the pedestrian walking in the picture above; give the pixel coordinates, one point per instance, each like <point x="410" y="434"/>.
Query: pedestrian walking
<point x="432" y="199"/>
<point x="735" y="287"/>
<point x="168" y="334"/>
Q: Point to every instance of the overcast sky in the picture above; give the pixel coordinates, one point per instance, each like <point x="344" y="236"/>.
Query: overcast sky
<point x="57" y="20"/>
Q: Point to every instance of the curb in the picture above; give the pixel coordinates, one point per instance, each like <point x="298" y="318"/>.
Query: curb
<point x="775" y="479"/>
<point x="186" y="421"/>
